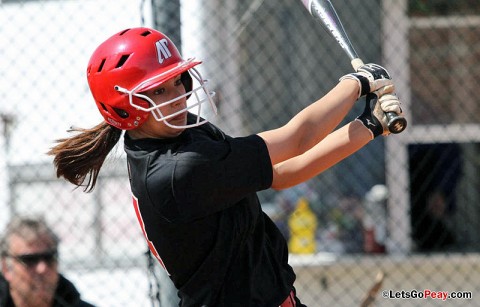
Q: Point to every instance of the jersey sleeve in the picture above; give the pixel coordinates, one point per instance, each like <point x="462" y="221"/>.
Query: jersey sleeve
<point x="210" y="179"/>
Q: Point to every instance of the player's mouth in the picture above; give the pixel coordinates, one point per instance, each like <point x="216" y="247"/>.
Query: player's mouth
<point x="179" y="118"/>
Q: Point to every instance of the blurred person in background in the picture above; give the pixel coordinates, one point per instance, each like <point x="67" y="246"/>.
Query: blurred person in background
<point x="194" y="187"/>
<point x="29" y="261"/>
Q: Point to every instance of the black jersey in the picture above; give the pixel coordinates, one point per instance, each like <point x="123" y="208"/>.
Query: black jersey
<point x="195" y="197"/>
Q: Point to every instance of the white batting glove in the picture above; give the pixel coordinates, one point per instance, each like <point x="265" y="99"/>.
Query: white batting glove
<point x="390" y="103"/>
<point x="370" y="78"/>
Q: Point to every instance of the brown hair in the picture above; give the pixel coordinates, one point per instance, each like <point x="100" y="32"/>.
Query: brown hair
<point x="83" y="154"/>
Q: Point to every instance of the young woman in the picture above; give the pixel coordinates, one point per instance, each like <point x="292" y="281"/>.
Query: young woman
<point x="194" y="188"/>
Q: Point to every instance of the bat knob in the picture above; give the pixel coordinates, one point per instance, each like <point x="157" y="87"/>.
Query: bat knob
<point x="395" y="124"/>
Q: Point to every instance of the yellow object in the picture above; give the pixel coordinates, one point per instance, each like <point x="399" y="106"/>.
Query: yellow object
<point x="303" y="225"/>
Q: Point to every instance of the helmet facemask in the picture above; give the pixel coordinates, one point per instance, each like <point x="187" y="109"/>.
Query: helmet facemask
<point x="196" y="98"/>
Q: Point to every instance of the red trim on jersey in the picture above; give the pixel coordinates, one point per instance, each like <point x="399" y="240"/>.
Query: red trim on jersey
<point x="289" y="301"/>
<point x="142" y="225"/>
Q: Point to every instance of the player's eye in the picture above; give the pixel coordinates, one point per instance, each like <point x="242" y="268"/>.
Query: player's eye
<point x="178" y="82"/>
<point x="159" y="91"/>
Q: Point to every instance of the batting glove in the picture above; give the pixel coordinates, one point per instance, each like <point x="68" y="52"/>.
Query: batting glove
<point x="370" y="77"/>
<point x="373" y="116"/>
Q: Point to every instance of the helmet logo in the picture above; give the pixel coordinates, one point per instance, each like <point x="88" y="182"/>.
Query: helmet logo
<point x="163" y="52"/>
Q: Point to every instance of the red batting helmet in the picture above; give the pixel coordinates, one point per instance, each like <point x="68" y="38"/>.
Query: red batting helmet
<point x="133" y="61"/>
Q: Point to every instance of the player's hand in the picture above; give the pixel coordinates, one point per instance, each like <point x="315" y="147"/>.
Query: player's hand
<point x="373" y="116"/>
<point x="390" y="103"/>
<point x="370" y="78"/>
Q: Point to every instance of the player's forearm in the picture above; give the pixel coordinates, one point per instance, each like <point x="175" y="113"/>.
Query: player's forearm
<point x="319" y="119"/>
<point x="335" y="147"/>
<point x="311" y="124"/>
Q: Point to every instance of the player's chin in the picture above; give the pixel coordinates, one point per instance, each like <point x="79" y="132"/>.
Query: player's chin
<point x="175" y="126"/>
<point x="174" y="132"/>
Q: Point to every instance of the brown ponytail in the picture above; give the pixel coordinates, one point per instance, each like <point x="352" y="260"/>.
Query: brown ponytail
<point x="83" y="154"/>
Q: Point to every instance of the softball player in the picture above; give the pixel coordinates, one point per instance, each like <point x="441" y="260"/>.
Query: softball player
<point x="194" y="188"/>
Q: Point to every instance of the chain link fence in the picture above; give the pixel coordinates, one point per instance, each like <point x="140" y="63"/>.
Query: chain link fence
<point x="405" y="206"/>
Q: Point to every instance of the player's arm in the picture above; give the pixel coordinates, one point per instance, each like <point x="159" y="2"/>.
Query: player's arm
<point x="335" y="147"/>
<point x="316" y="121"/>
<point x="338" y="145"/>
<point x="311" y="124"/>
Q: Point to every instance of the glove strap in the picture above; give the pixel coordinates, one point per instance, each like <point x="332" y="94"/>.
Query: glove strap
<point x="363" y="82"/>
<point x="368" y="119"/>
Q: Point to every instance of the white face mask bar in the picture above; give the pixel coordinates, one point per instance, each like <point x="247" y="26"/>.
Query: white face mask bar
<point x="155" y="108"/>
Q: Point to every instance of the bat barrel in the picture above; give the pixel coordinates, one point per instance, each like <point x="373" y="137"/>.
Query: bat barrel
<point x="323" y="11"/>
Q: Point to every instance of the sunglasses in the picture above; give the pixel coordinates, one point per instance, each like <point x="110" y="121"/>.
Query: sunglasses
<point x="31" y="260"/>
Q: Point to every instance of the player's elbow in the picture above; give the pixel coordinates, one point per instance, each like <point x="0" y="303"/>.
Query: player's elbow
<point x="277" y="188"/>
<point x="282" y="180"/>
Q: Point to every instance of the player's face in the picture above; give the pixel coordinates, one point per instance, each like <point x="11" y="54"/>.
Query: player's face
<point x="160" y="94"/>
<point x="31" y="270"/>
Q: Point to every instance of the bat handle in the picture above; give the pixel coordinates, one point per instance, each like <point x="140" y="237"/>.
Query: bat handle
<point x="395" y="123"/>
<point x="356" y="63"/>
